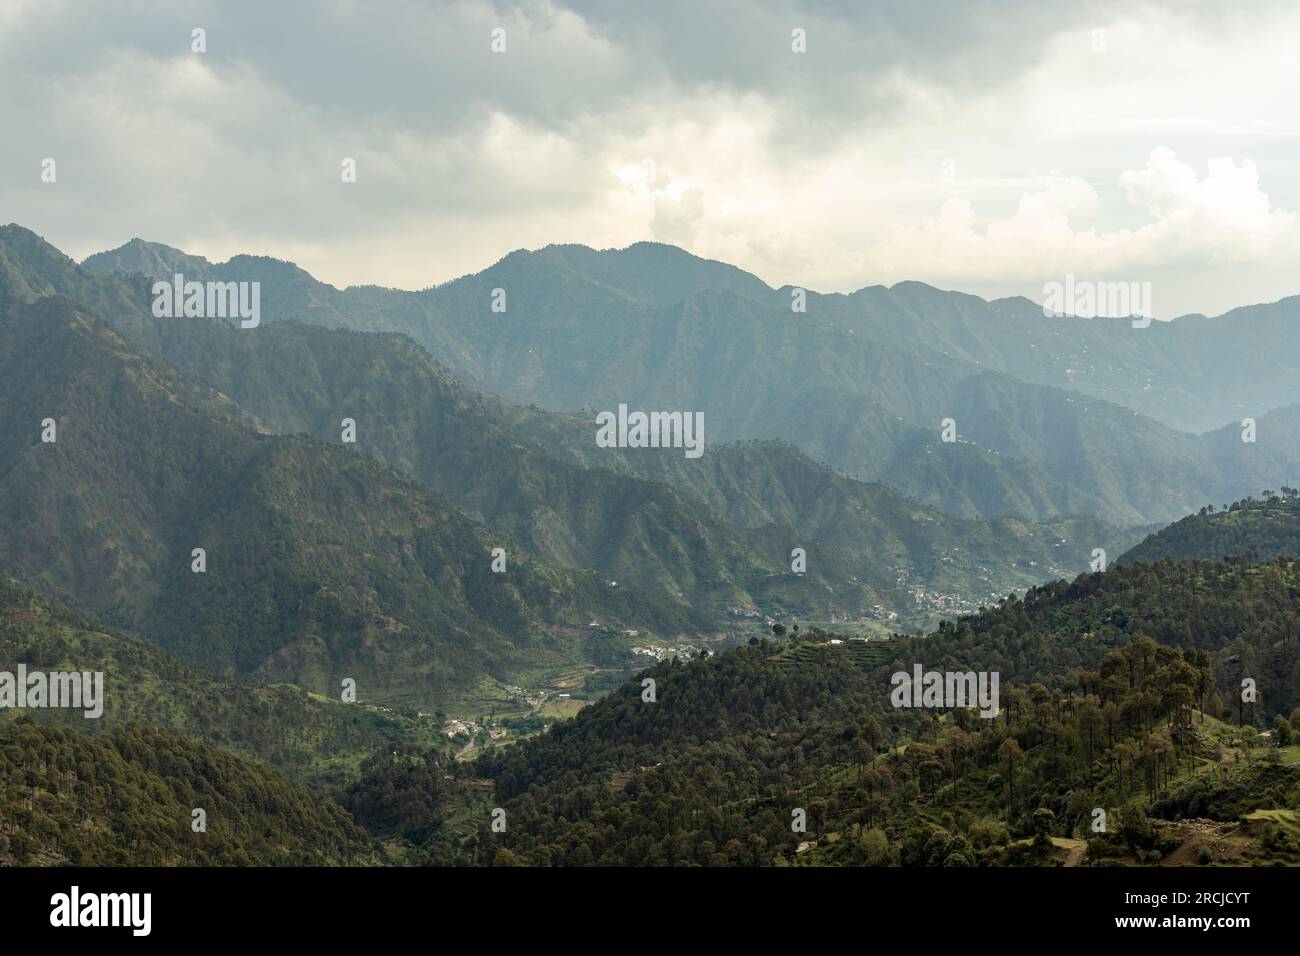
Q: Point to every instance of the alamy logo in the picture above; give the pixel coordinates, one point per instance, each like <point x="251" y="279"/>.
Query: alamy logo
<point x="1085" y="300"/>
<point x="209" y="300"/>
<point x="103" y="909"/>
<point x="949" y="689"/>
<point x="38" y="689"/>
<point x="653" y="430"/>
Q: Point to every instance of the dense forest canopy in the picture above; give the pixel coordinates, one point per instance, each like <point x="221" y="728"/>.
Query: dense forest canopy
<point x="1266" y="527"/>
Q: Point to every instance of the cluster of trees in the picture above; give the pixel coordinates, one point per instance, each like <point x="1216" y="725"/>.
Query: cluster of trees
<point x="1263" y="527"/>
<point x="695" y="776"/>
<point x="402" y="792"/>
<point x="280" y="725"/>
<point x="127" y="798"/>
<point x="715" y="777"/>
<point x="1245" y="615"/>
<point x="1113" y="692"/>
<point x="1112" y="686"/>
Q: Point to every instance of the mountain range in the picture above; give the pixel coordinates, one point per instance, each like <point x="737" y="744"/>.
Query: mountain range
<point x="1053" y="417"/>
<point x="321" y="564"/>
<point x="298" y="378"/>
<point x="1038" y="480"/>
<point x="402" y="491"/>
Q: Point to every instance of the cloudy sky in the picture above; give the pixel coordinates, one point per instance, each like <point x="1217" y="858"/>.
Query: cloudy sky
<point x="988" y="147"/>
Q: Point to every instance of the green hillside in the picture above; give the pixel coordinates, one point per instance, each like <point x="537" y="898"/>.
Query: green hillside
<point x="1118" y="691"/>
<point x="321" y="563"/>
<point x="413" y="416"/>
<point x="514" y="468"/>
<point x="127" y="799"/>
<point x="518" y="469"/>
<point x="1267" y="527"/>
<point x="754" y="483"/>
<point x="310" y="737"/>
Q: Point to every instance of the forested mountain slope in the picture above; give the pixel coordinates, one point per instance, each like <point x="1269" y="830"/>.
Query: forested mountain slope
<point x="1267" y="527"/>
<point x="321" y="564"/>
<point x="128" y="798"/>
<point x="518" y="470"/>
<point x="310" y="737"/>
<point x="1109" y="699"/>
<point x="514" y="468"/>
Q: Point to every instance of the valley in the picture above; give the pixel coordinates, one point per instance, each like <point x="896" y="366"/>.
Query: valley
<point x="500" y="588"/>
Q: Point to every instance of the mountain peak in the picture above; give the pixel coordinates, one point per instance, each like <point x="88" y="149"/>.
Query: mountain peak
<point x="23" y="240"/>
<point x="147" y="258"/>
<point x="656" y="273"/>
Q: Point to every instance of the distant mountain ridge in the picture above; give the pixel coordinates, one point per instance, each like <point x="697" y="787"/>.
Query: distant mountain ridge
<point x="1193" y="373"/>
<point x="539" y="477"/>
<point x="862" y="382"/>
<point x="518" y="470"/>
